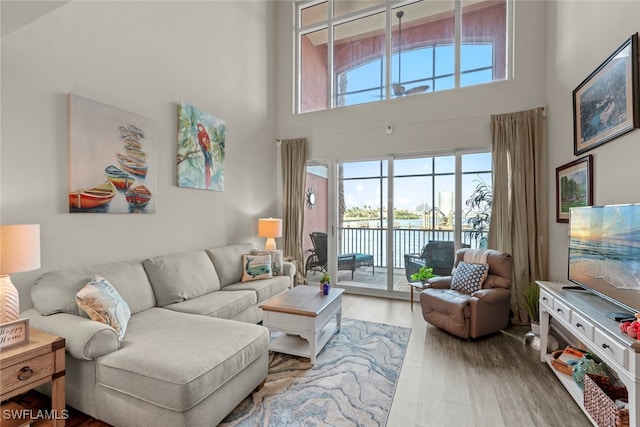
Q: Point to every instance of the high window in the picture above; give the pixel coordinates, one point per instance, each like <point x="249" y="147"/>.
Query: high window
<point x="354" y="52"/>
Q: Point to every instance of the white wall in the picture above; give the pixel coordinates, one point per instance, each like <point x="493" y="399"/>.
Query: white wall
<point x="142" y="57"/>
<point x="580" y="36"/>
<point x="423" y="123"/>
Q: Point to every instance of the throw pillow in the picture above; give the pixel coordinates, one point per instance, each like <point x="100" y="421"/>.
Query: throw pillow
<point x="277" y="260"/>
<point x="256" y="267"/>
<point x="468" y="278"/>
<point x="100" y="300"/>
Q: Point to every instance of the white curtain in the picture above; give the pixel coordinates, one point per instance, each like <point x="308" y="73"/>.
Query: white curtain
<point x="519" y="215"/>
<point x="293" y="154"/>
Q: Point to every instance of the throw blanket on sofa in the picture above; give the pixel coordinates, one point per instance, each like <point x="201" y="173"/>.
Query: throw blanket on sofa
<point x="475" y="256"/>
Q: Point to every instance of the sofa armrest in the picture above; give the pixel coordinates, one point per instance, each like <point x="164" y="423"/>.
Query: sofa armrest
<point x="439" y="282"/>
<point x="85" y="338"/>
<point x="290" y="270"/>
<point x="492" y="295"/>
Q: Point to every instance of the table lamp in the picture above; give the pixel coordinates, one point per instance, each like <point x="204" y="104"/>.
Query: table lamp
<point x="270" y="228"/>
<point x="19" y="251"/>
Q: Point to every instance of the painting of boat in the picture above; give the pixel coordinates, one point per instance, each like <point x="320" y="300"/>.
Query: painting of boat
<point x="93" y="197"/>
<point x="131" y="135"/>
<point x="113" y="148"/>
<point x="121" y="180"/>
<point x="131" y="166"/>
<point x="138" y="197"/>
<point x="135" y="154"/>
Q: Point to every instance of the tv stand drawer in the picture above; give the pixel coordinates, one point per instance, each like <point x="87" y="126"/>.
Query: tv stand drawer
<point x="561" y="310"/>
<point x="582" y="325"/>
<point x="612" y="348"/>
<point x="546" y="299"/>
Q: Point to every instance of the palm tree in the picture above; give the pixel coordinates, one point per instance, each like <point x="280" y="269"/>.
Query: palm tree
<point x="478" y="214"/>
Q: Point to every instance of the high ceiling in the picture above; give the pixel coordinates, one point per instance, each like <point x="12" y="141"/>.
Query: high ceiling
<point x="17" y="13"/>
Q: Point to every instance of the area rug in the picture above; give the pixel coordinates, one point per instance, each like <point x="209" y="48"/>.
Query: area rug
<point x="351" y="384"/>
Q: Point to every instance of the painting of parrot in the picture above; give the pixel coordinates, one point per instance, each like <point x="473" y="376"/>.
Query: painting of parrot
<point x="201" y="145"/>
<point x="205" y="146"/>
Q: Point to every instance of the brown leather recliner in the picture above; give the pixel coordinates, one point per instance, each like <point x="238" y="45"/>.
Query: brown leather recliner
<point x="483" y="312"/>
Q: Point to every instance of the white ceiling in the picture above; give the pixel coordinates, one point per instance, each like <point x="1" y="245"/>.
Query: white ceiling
<point x="17" y="13"/>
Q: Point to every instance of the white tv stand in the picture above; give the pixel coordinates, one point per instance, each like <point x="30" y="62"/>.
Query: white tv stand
<point x="583" y="314"/>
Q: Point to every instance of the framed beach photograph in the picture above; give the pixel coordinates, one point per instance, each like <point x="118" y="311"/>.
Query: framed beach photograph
<point x="605" y="105"/>
<point x="574" y="186"/>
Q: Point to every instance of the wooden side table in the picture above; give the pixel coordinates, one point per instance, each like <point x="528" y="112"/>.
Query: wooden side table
<point x="27" y="366"/>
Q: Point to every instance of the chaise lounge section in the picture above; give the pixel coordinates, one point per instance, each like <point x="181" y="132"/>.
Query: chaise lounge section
<point x="192" y="349"/>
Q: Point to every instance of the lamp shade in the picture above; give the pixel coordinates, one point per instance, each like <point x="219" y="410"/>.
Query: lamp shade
<point x="19" y="251"/>
<point x="19" y="248"/>
<point x="269" y="227"/>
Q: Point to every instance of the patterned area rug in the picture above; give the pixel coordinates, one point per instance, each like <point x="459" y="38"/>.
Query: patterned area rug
<point x="351" y="384"/>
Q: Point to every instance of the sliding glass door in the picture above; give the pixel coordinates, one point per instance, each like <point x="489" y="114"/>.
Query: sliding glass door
<point x="376" y="217"/>
<point x="425" y="211"/>
<point x="362" y="224"/>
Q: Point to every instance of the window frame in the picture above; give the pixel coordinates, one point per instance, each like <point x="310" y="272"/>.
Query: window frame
<point x="387" y="7"/>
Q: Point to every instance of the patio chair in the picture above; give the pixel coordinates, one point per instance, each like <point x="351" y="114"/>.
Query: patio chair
<point x="317" y="260"/>
<point x="436" y="254"/>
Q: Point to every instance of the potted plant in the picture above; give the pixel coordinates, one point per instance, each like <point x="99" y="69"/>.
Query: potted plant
<point x="424" y="274"/>
<point x="531" y="301"/>
<point x="325" y="283"/>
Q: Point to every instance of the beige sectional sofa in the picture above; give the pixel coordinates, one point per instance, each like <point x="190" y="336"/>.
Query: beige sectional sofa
<point x="192" y="349"/>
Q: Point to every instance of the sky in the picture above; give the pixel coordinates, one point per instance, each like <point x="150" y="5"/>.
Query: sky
<point x="411" y="190"/>
<point x="421" y="64"/>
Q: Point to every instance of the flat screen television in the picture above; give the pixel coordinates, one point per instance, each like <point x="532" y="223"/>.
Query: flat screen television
<point x="604" y="252"/>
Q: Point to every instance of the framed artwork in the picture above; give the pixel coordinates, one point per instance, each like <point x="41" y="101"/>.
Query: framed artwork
<point x="574" y="186"/>
<point x="201" y="141"/>
<point x="112" y="159"/>
<point x="605" y="105"/>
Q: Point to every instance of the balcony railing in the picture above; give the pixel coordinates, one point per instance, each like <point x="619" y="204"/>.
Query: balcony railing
<point x="373" y="241"/>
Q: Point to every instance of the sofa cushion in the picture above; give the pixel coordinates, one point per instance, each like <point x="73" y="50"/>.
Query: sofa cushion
<point x="452" y="303"/>
<point x="277" y="260"/>
<point x="224" y="305"/>
<point x="468" y="277"/>
<point x="55" y="291"/>
<point x="175" y="360"/>
<point x="104" y="304"/>
<point x="181" y="276"/>
<point x="256" y="267"/>
<point x="228" y="261"/>
<point x="264" y="289"/>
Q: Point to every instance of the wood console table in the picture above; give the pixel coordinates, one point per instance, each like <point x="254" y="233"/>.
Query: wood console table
<point x="27" y="366"/>
<point x="583" y="314"/>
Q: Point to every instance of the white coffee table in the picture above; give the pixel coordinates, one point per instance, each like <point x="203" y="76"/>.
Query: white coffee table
<point x="306" y="318"/>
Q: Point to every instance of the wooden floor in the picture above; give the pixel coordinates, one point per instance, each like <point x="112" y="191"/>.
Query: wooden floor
<point x="445" y="381"/>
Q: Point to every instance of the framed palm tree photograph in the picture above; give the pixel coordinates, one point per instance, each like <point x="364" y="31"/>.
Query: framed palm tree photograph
<point x="574" y="186"/>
